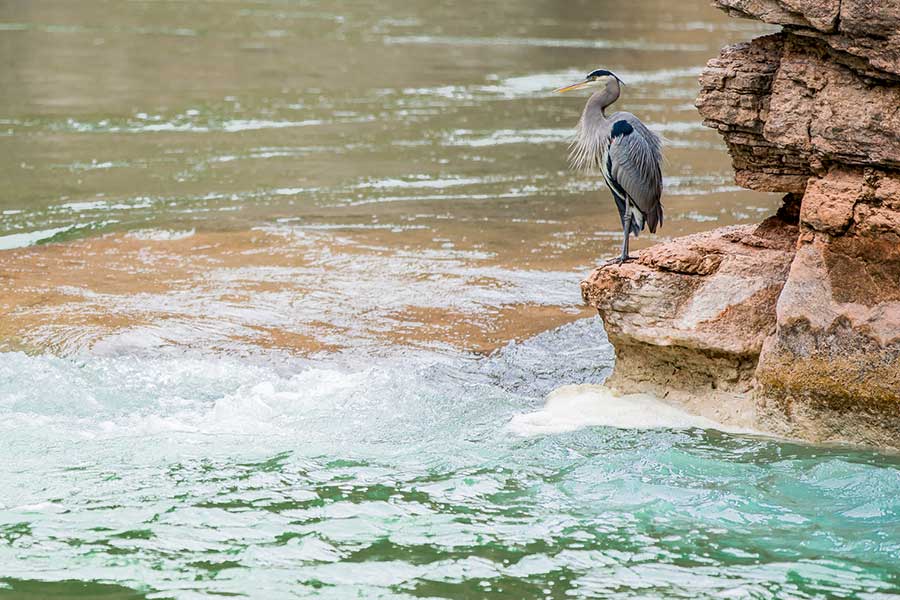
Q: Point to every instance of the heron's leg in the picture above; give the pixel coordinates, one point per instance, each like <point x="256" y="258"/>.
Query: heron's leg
<point x="626" y="232"/>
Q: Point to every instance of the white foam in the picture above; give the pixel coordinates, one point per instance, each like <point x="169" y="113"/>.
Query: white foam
<point x="161" y="235"/>
<point x="81" y="206"/>
<point x="573" y="407"/>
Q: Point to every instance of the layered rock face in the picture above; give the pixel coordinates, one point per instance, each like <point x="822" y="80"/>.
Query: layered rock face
<point x="800" y="336"/>
<point x="832" y="369"/>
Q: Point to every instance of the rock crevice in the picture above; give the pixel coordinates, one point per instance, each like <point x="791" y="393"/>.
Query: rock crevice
<point x="792" y="325"/>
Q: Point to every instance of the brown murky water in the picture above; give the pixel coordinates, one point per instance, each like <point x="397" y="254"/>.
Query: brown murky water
<point x="310" y="176"/>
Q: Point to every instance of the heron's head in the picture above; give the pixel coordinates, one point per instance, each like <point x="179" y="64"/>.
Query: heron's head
<point x="600" y="79"/>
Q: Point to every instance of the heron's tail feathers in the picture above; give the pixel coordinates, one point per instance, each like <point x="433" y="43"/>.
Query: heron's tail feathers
<point x="655" y="218"/>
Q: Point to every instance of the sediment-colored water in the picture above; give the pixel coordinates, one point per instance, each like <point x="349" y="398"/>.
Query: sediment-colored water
<point x="323" y="175"/>
<point x="284" y="287"/>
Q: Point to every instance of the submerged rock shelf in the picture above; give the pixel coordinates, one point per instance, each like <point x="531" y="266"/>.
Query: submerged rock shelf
<point x="792" y="326"/>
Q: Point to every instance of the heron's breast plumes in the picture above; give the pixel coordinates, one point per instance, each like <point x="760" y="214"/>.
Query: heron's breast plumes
<point x="586" y="149"/>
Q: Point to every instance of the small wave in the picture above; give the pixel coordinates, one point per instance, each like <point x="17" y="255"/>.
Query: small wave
<point x="20" y="240"/>
<point x="542" y="42"/>
<point x="419" y="182"/>
<point x="187" y="123"/>
<point x="466" y="137"/>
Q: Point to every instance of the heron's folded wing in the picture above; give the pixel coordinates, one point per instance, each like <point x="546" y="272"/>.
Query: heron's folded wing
<point x="634" y="165"/>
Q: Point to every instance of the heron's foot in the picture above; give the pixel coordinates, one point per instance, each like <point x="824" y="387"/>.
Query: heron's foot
<point x="618" y="260"/>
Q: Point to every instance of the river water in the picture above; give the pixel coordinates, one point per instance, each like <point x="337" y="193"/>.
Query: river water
<point x="285" y="286"/>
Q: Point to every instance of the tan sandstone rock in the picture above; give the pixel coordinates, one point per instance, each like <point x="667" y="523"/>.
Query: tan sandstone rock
<point x="689" y="318"/>
<point x="868" y="30"/>
<point x="734" y="99"/>
<point x="832" y="369"/>
<point x="786" y="110"/>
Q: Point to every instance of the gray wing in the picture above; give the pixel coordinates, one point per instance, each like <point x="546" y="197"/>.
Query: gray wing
<point x="633" y="164"/>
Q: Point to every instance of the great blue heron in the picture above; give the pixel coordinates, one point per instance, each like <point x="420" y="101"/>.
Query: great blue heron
<point x="628" y="154"/>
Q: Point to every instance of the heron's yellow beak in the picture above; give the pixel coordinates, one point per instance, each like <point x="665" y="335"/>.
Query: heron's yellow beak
<point x="575" y="86"/>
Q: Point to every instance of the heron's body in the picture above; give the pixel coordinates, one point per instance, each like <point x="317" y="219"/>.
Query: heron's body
<point x="626" y="152"/>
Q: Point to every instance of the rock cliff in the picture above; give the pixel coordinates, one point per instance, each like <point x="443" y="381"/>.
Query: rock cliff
<point x="792" y="326"/>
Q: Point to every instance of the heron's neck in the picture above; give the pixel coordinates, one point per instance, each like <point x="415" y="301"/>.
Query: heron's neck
<point x="601" y="100"/>
<point x="587" y="148"/>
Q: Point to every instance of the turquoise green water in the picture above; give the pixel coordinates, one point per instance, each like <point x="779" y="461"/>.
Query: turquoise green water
<point x="198" y="478"/>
